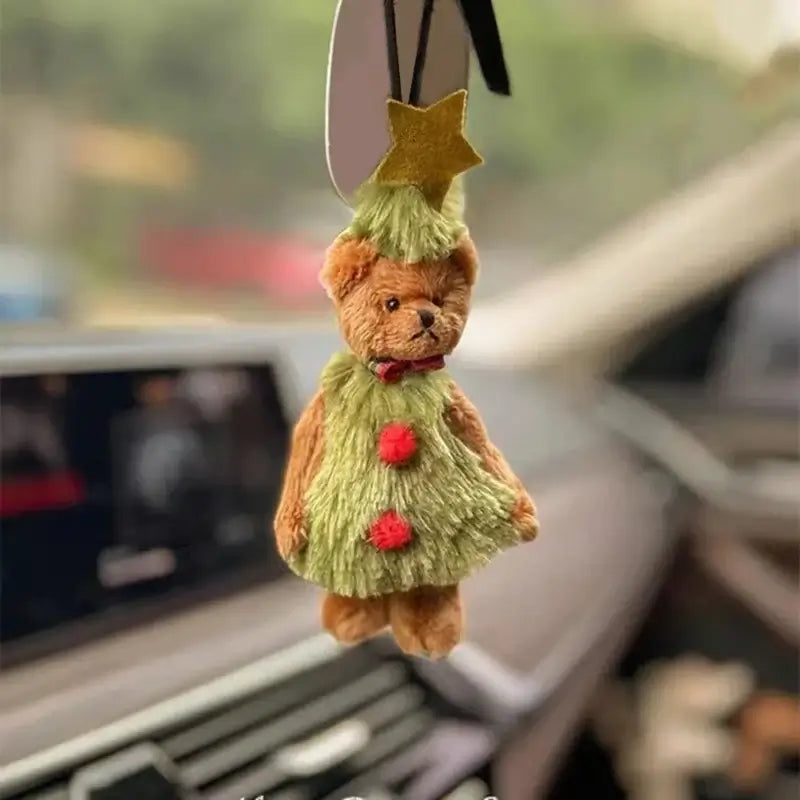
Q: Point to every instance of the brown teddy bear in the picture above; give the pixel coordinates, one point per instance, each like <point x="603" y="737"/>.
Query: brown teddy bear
<point x="393" y="491"/>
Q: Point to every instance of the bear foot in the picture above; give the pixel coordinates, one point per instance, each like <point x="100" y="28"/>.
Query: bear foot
<point x="427" y="621"/>
<point x="353" y="619"/>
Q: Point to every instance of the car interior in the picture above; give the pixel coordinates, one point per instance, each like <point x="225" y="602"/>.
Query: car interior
<point x="149" y="656"/>
<point x="634" y="350"/>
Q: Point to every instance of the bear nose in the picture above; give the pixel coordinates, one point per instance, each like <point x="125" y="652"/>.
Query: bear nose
<point x="426" y="318"/>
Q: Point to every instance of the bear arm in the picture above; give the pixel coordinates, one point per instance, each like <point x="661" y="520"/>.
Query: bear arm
<point x="305" y="457"/>
<point x="465" y="422"/>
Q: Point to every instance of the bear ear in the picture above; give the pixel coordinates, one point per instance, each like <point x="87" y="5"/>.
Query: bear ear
<point x="347" y="263"/>
<point x="465" y="258"/>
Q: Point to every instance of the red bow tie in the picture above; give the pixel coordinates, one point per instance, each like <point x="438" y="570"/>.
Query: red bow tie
<point x="392" y="371"/>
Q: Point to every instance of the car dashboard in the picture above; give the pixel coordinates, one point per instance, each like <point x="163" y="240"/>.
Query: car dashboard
<point x="221" y="685"/>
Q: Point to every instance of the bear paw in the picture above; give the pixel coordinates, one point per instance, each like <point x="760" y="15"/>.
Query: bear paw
<point x="427" y="622"/>
<point x="351" y="619"/>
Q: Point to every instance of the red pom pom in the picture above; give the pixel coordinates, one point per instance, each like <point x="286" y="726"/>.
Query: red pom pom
<point x="396" y="443"/>
<point x="390" y="531"/>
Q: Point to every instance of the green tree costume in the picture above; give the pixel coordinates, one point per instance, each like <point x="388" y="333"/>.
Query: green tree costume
<point x="460" y="515"/>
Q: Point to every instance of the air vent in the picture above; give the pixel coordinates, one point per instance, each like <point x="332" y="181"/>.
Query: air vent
<point x="360" y="723"/>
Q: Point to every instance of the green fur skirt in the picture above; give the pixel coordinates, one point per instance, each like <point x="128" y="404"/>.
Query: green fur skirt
<point x="399" y="501"/>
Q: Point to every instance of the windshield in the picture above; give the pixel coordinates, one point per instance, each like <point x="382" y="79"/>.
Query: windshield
<point x="172" y="153"/>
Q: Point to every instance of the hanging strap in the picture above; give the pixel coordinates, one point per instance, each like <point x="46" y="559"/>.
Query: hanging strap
<point x="422" y="52"/>
<point x="485" y="35"/>
<point x="391" y="49"/>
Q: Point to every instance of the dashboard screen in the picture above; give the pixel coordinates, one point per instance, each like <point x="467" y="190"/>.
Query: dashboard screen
<point x="121" y="489"/>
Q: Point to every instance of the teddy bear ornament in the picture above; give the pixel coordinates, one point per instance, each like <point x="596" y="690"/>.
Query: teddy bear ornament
<point x="393" y="492"/>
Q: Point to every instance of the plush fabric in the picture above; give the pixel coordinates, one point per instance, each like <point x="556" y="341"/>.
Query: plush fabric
<point x="465" y="421"/>
<point x="352" y="619"/>
<point x="425" y="621"/>
<point x="428" y="620"/>
<point x="305" y="458"/>
<point x="460" y="515"/>
<point x="401" y="224"/>
<point x="397" y="443"/>
<point x="390" y="531"/>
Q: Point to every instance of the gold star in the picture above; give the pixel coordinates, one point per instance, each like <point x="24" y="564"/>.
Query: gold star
<point x="428" y="146"/>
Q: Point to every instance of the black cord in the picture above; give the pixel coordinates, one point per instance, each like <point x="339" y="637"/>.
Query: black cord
<point x="422" y="52"/>
<point x="485" y="35"/>
<point x="391" y="49"/>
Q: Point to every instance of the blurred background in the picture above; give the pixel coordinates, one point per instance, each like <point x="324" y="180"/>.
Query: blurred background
<point x="171" y="156"/>
<point x="635" y="349"/>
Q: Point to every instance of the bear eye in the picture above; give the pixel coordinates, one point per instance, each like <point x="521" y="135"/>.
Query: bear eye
<point x="392" y="304"/>
<point x="438" y="300"/>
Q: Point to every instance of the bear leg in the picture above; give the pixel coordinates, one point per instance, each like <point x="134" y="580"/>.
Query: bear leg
<point x="427" y="621"/>
<point x="353" y="619"/>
